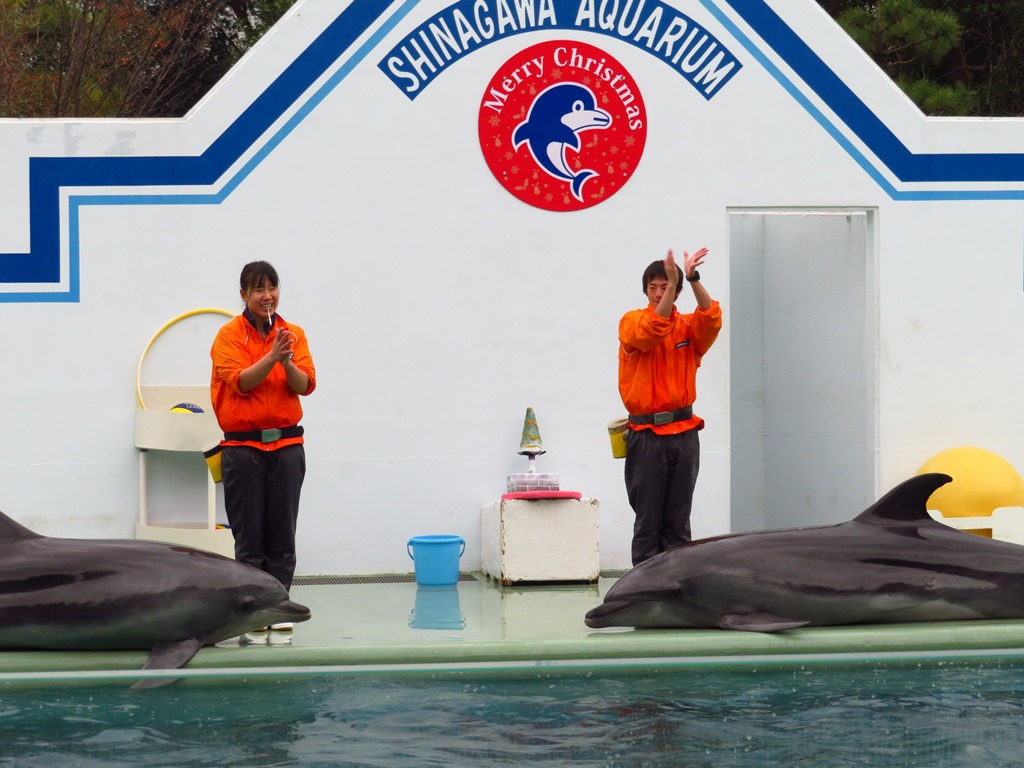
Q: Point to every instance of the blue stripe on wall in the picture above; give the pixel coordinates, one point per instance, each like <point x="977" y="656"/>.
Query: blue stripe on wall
<point x="48" y="175"/>
<point x="901" y="162"/>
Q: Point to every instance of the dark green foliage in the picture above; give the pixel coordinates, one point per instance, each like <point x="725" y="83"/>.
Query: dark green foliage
<point x="952" y="57"/>
<point x="121" y="58"/>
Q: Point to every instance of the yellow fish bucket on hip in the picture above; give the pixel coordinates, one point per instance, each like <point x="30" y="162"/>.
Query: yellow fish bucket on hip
<point x="617" y="432"/>
<point x="213" y="456"/>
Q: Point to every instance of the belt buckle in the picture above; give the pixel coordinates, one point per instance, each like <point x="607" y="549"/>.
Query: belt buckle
<point x="665" y="417"/>
<point x="269" y="435"/>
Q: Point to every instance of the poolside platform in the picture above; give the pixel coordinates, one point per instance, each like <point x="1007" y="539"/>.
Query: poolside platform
<point x="389" y="624"/>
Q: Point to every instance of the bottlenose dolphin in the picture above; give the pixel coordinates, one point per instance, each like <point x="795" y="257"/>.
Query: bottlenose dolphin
<point x="85" y="595"/>
<point x="555" y="120"/>
<point x="892" y="563"/>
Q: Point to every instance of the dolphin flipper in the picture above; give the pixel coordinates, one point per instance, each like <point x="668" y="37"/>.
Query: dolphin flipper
<point x="167" y="656"/>
<point x="521" y="134"/>
<point x="759" y="622"/>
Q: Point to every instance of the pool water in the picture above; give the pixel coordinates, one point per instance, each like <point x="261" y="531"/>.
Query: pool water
<point x="963" y="713"/>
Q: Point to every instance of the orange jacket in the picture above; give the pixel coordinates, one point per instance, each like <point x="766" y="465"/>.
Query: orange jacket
<point x="271" y="404"/>
<point x="658" y="361"/>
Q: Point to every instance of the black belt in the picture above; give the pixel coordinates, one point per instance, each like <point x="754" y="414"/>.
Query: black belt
<point x="265" y="435"/>
<point x="664" y="417"/>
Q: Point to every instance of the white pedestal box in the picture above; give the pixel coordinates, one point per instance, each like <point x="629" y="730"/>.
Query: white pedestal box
<point x="541" y="540"/>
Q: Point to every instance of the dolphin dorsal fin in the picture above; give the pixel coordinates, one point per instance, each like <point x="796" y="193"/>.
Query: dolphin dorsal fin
<point x="12" y="530"/>
<point x="908" y="501"/>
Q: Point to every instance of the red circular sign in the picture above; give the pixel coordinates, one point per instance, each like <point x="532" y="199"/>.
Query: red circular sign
<point x="562" y="125"/>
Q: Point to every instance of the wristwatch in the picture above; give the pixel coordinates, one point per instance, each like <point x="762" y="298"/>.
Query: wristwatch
<point x="695" y="278"/>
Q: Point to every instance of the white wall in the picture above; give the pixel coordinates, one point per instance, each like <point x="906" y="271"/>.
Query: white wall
<point x="439" y="307"/>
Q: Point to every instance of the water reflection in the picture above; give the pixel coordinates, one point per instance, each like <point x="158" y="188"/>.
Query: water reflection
<point x="437" y="608"/>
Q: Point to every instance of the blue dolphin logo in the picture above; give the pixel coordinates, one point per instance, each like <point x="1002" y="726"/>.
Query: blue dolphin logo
<point x="554" y="123"/>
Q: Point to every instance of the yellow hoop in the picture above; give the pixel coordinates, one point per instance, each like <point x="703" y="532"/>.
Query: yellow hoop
<point x="168" y="324"/>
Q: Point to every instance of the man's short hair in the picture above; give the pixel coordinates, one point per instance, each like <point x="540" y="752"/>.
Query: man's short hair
<point x="656" y="270"/>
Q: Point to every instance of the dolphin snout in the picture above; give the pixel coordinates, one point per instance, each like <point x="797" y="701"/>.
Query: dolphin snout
<point x="606" y="614"/>
<point x="587" y="118"/>
<point x="293" y="611"/>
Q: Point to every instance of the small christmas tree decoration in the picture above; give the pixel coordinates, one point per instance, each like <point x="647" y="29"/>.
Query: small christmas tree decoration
<point x="532" y="446"/>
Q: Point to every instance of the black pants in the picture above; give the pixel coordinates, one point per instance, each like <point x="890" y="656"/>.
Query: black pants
<point x="661" y="473"/>
<point x="261" y="498"/>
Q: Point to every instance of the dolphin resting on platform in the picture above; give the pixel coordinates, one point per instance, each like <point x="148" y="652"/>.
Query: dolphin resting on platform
<point x="891" y="563"/>
<point x="92" y="595"/>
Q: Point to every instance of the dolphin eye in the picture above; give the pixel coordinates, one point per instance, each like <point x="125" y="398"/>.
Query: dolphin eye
<point x="577" y="106"/>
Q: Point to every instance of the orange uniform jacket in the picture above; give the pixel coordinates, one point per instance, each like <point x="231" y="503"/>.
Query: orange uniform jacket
<point x="271" y="404"/>
<point x="658" y="361"/>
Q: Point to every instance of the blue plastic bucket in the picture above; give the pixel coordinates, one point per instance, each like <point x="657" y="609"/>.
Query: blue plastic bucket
<point x="436" y="559"/>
